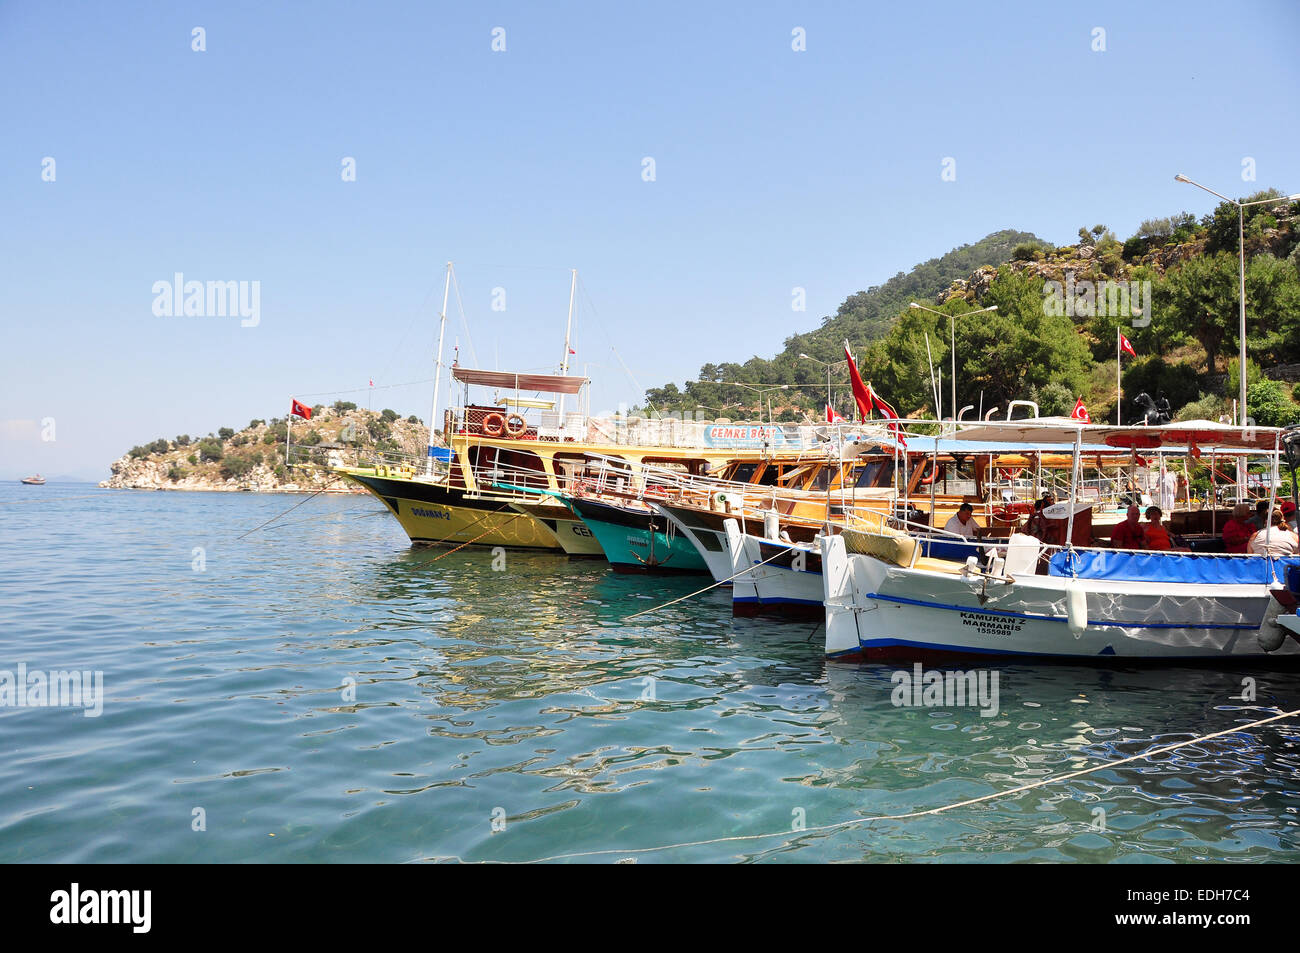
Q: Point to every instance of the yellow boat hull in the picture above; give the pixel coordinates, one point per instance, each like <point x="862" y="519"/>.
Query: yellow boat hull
<point x="436" y="515"/>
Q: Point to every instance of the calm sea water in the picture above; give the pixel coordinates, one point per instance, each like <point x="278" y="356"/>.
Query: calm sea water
<point x="318" y="691"/>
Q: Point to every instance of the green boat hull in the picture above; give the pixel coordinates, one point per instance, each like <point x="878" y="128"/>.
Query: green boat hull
<point x="637" y="541"/>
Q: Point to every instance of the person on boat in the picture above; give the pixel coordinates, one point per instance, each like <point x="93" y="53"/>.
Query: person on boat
<point x="1168" y="490"/>
<point x="1129" y="534"/>
<point x="1288" y="510"/>
<point x="1276" y="541"/>
<point x="1157" y="537"/>
<point x="1260" y="519"/>
<point x="964" y="523"/>
<point x="1238" y="530"/>
<point x="1037" y="526"/>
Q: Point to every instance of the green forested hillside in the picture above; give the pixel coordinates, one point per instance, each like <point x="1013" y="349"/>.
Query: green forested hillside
<point x="1053" y="335"/>
<point x="862" y="317"/>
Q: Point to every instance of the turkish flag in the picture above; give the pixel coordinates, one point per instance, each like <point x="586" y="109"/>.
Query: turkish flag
<point x="1126" y="345"/>
<point x="883" y="408"/>
<point x="861" y="393"/>
<point x="301" y="410"/>
<point x="1080" y="412"/>
<point x="832" y="417"/>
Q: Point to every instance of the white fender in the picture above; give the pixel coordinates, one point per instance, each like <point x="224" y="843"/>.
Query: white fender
<point x="1271" y="634"/>
<point x="1076" y="608"/>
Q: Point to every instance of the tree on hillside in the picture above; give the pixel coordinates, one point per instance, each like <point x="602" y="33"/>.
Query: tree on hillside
<point x="1001" y="356"/>
<point x="1017" y="347"/>
<point x="1270" y="405"/>
<point x="1273" y="310"/>
<point x="1201" y="296"/>
<point x="1222" y="224"/>
<point x="863" y="317"/>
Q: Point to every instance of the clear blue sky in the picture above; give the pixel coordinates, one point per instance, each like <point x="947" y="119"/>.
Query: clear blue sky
<point x="774" y="169"/>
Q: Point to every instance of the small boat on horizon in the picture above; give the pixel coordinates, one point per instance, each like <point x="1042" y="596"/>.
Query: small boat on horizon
<point x="36" y="480"/>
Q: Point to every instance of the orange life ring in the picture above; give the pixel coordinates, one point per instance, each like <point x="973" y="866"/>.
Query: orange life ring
<point x="656" y="491"/>
<point x="494" y="425"/>
<point x="514" y="430"/>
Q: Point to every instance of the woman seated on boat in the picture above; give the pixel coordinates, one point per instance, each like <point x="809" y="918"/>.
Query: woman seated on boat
<point x="964" y="523"/>
<point x="1157" y="537"/>
<point x="1129" y="534"/>
<point x="1278" y="540"/>
<point x="1238" y="530"/>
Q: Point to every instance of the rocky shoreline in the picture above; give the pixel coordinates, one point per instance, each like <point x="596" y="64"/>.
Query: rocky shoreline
<point x="253" y="460"/>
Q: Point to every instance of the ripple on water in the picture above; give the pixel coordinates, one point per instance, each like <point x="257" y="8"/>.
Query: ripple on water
<point x="321" y="691"/>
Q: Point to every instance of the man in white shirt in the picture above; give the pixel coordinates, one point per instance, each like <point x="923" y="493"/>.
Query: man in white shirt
<point x="1168" y="490"/>
<point x="963" y="524"/>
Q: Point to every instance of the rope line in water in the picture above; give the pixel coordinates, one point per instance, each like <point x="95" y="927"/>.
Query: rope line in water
<point x="478" y="537"/>
<point x="290" y="509"/>
<point x="697" y="592"/>
<point x="842" y="825"/>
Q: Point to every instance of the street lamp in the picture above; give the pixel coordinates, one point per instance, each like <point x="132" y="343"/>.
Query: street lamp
<point x="1241" y="251"/>
<point x="808" y="357"/>
<point x="761" y="391"/>
<point x="952" y="343"/>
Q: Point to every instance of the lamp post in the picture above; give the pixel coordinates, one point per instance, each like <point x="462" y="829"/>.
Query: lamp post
<point x="808" y="357"/>
<point x="1241" y="252"/>
<point x="761" y="391"/>
<point x="952" y="343"/>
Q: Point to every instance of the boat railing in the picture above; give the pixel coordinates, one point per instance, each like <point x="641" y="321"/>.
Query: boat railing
<point x="382" y="462"/>
<point x="672" y="430"/>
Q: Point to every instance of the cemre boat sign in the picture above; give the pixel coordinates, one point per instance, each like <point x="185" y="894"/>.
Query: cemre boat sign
<point x="727" y="435"/>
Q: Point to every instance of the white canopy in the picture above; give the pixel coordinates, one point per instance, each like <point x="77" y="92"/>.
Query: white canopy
<point x="510" y="380"/>
<point x="1205" y="435"/>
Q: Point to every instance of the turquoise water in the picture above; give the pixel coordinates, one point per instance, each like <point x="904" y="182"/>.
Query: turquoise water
<point x="517" y="695"/>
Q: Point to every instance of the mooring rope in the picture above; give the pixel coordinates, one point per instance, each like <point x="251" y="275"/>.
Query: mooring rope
<point x="490" y="529"/>
<point x="290" y="509"/>
<point x="913" y="814"/>
<point x="706" y="588"/>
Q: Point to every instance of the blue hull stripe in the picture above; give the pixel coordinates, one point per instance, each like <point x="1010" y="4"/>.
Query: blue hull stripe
<point x="971" y="650"/>
<point x="793" y="602"/>
<point x="1109" y="624"/>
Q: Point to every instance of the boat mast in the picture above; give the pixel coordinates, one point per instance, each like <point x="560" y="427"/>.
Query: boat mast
<point x="437" y="375"/>
<point x="568" y="330"/>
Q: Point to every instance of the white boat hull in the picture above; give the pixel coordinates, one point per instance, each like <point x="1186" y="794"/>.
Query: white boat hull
<point x="783" y="578"/>
<point x="876" y="610"/>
